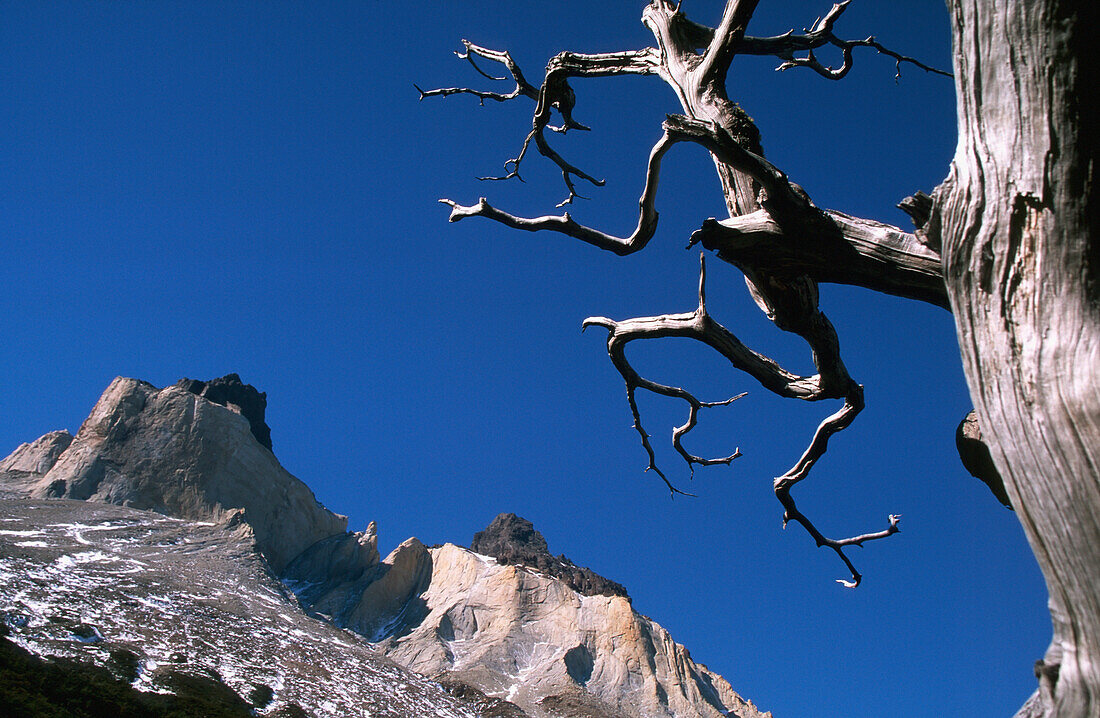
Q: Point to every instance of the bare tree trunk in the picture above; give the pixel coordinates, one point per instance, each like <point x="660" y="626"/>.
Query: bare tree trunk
<point x="1021" y="259"/>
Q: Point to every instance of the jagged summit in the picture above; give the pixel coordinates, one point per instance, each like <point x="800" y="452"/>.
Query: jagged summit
<point x="229" y="391"/>
<point x="182" y="453"/>
<point x="512" y="539"/>
<point x="531" y="633"/>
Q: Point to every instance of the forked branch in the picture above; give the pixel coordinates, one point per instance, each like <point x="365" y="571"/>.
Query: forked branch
<point x="831" y="382"/>
<point x="781" y="241"/>
<point x="821" y="34"/>
<point x="636" y="240"/>
<point x="790" y="236"/>
<point x="554" y="94"/>
<point x="853" y="404"/>
<point x="523" y="87"/>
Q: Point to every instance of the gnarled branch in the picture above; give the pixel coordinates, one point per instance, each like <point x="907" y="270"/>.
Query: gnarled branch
<point x="554" y="94"/>
<point x="835" y="248"/>
<point x="821" y="34"/>
<point x="782" y="242"/>
<point x="727" y="37"/>
<point x="523" y="87"/>
<point x="831" y="382"/>
<point x="792" y="237"/>
<point x="643" y="232"/>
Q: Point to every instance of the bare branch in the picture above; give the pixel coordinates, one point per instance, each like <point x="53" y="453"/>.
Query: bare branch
<point x="643" y="232"/>
<point x="786" y="45"/>
<point x="782" y="242"/>
<point x="811" y="61"/>
<point x="791" y="236"/>
<point x="783" y="200"/>
<point x="616" y="349"/>
<point x="693" y="419"/>
<point x="853" y="404"/>
<point x="788" y="308"/>
<point x="512" y="166"/>
<point x="727" y="38"/>
<point x="700" y="326"/>
<point x="645" y="442"/>
<point x="523" y="87"/>
<point x="567" y="170"/>
<point x="646" y="61"/>
<point x="847" y="45"/>
<point x="839" y="249"/>
<point x="554" y="94"/>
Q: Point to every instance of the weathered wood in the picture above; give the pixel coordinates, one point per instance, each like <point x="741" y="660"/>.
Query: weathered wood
<point x="976" y="458"/>
<point x="1018" y="223"/>
<point x="783" y="243"/>
<point x="837" y="248"/>
<point x="1008" y="243"/>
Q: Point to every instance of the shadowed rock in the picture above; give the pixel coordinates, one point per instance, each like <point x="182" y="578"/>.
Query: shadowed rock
<point x="179" y="453"/>
<point x="229" y="391"/>
<point x="511" y="539"/>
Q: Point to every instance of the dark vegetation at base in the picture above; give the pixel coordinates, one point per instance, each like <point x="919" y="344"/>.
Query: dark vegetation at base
<point x="291" y="710"/>
<point x="33" y="687"/>
<point x="261" y="696"/>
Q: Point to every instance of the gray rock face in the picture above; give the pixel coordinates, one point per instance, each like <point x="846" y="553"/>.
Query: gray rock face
<point x="30" y="462"/>
<point x="335" y="561"/>
<point x="371" y="597"/>
<point x="508" y="622"/>
<point x="176" y="453"/>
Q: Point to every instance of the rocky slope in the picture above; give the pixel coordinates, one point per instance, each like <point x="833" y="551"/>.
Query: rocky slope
<point x="530" y="639"/>
<point x="513" y="539"/>
<point x="177" y="453"/>
<point x="509" y="620"/>
<point x="161" y="598"/>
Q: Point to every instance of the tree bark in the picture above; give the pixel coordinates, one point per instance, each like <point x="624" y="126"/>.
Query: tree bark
<point x="1018" y="224"/>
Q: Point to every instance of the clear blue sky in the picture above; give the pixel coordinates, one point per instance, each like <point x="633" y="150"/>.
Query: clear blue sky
<point x="192" y="189"/>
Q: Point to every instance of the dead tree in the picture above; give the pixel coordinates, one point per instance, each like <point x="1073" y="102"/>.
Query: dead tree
<point x="1005" y="243"/>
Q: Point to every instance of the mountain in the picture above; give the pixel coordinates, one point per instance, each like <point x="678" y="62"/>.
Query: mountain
<point x="166" y="530"/>
<point x="160" y="601"/>
<point x="177" y="453"/>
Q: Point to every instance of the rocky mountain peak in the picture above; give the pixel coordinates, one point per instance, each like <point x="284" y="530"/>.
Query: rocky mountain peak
<point x="530" y="633"/>
<point x="512" y="539"/>
<point x="190" y="451"/>
<point x="229" y="391"/>
<point x="32" y="460"/>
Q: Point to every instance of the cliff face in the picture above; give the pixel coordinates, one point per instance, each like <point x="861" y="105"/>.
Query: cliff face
<point x="163" y="603"/>
<point x="519" y="625"/>
<point x="174" y="452"/>
<point x="30" y="462"/>
<point x="535" y="641"/>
